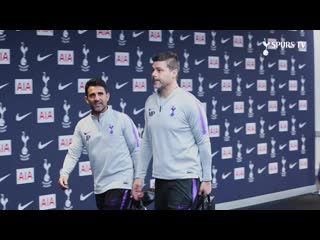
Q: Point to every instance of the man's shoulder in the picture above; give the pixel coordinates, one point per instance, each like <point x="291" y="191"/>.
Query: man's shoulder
<point x="187" y="97"/>
<point x="151" y="98"/>
<point x="84" y="120"/>
<point x="120" y="115"/>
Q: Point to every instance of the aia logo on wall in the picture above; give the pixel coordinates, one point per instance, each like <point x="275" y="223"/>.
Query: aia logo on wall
<point x="226" y="152"/>
<point x="47" y="202"/>
<point x="85" y="168"/>
<point x="4" y="56"/>
<point x="23" y="86"/>
<point x="45" y="32"/>
<point x="238" y="173"/>
<point x="65" y="57"/>
<point x="250" y="63"/>
<point x="25" y="175"/>
<point x="199" y="38"/>
<point x="214" y="131"/>
<point x="261" y="85"/>
<point x="273" y="168"/>
<point x="250" y="128"/>
<point x="45" y="115"/>
<point x="5" y="147"/>
<point x="238" y="41"/>
<point x="64" y="142"/>
<point x="121" y="58"/>
<point x="303" y="163"/>
<point x="186" y="84"/>
<point x="303" y="105"/>
<point x="82" y="84"/>
<point x="104" y="34"/>
<point x="283" y="126"/>
<point x="139" y="85"/>
<point x="272" y="106"/>
<point x="213" y="62"/>
<point x="226" y="85"/>
<point x="155" y="35"/>
<point x="238" y="107"/>
<point x="282" y="65"/>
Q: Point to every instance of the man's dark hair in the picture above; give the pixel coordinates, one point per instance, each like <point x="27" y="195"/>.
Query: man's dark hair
<point x="95" y="82"/>
<point x="170" y="57"/>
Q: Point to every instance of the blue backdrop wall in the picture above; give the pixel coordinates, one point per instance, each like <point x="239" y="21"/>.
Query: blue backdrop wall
<point x="259" y="100"/>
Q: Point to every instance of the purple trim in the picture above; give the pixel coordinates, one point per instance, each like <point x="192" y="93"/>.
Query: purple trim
<point x="203" y="125"/>
<point x="135" y="133"/>
<point x="194" y="189"/>
<point x="124" y="199"/>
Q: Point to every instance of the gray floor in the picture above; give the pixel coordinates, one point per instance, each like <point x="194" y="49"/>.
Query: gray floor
<point x="304" y="202"/>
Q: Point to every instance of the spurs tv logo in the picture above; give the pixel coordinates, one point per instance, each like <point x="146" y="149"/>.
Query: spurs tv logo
<point x="301" y="45"/>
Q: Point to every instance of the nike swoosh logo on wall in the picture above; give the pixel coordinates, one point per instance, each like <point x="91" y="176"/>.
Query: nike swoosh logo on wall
<point x="119" y="86"/>
<point x="212" y="85"/>
<point x="82" y="31"/>
<point x="281" y="147"/>
<point x="213" y="154"/>
<point x="248" y="151"/>
<point x="260" y="170"/>
<point x="259" y="43"/>
<point x="22" y="207"/>
<point x="2" y="86"/>
<point x="301" y="125"/>
<point x="272" y="127"/>
<point x="4" y="177"/>
<point x="136" y="112"/>
<point x="224" y="176"/>
<point x="249" y="85"/>
<point x="19" y="118"/>
<point x="42" y="146"/>
<point x="196" y="62"/>
<point x="134" y="34"/>
<point x="270" y="65"/>
<point x="84" y="197"/>
<point x="40" y="59"/>
<point x="292" y="105"/>
<point x="281" y="85"/>
<point x="223" y="41"/>
<point x="236" y="64"/>
<point x="225" y="108"/>
<point x="236" y="130"/>
<point x="292" y="165"/>
<point x="182" y="38"/>
<point x="259" y="107"/>
<point x="61" y="87"/>
<point x="101" y="59"/>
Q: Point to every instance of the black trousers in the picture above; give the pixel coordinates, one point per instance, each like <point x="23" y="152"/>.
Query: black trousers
<point x="114" y="199"/>
<point x="176" y="194"/>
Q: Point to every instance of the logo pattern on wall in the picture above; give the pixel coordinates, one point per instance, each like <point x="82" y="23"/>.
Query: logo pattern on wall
<point x="257" y="87"/>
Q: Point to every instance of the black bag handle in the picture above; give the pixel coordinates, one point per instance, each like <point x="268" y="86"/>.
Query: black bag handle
<point x="199" y="203"/>
<point x="210" y="205"/>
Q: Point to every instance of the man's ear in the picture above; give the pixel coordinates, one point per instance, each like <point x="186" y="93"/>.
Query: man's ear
<point x="175" y="73"/>
<point x="86" y="99"/>
<point x="108" y="96"/>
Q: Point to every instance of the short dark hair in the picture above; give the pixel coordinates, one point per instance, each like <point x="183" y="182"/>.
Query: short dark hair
<point x="171" y="58"/>
<point x="95" y="82"/>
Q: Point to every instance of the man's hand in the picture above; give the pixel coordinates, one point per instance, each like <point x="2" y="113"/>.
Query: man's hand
<point x="63" y="182"/>
<point x="136" y="192"/>
<point x="205" y="188"/>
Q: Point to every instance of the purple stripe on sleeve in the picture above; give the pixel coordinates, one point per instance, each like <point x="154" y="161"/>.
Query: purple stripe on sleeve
<point x="203" y="125"/>
<point x="135" y="134"/>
